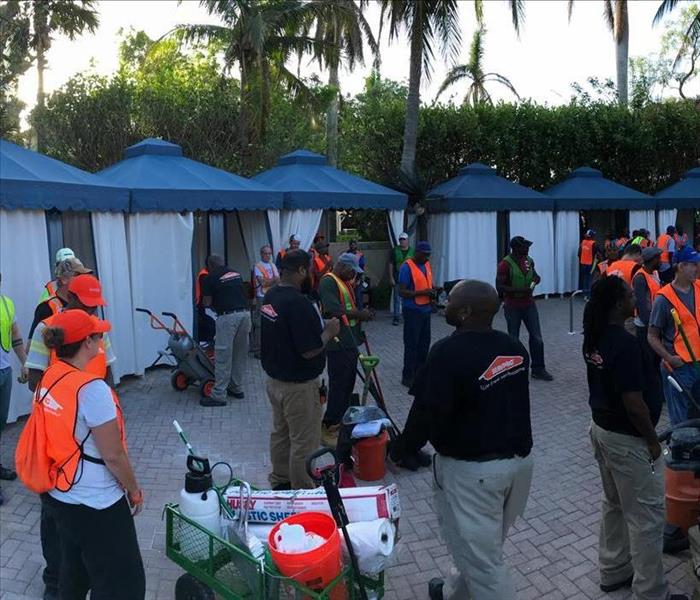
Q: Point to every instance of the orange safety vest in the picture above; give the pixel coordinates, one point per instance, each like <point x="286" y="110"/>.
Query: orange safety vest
<point x="625" y="269"/>
<point x="48" y="457"/>
<point x="55" y="304"/>
<point x="662" y="243"/>
<point x="420" y="281"/>
<point x="587" y="252"/>
<point x="321" y="262"/>
<point x="265" y="276"/>
<point x="198" y="286"/>
<point x="97" y="365"/>
<point x="603" y="267"/>
<point x="652" y="283"/>
<point x="51" y="288"/>
<point x="621" y="242"/>
<point x="690" y="322"/>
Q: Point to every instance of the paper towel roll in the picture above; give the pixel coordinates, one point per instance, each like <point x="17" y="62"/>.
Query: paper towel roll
<point x="373" y="542"/>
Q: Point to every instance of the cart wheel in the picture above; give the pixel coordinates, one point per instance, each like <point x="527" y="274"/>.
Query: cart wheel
<point x="179" y="381"/>
<point x="206" y="388"/>
<point x="188" y="587"/>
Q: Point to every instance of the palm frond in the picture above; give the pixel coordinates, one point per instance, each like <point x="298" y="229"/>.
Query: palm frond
<point x="570" y="9"/>
<point x="609" y="14"/>
<point x="690" y="38"/>
<point x="503" y="80"/>
<point x="517" y="11"/>
<point x="479" y="11"/>
<point x="454" y="75"/>
<point x="665" y="8"/>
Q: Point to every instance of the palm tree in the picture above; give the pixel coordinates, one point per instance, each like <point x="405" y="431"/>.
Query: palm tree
<point x="341" y="29"/>
<point x="428" y="22"/>
<point x="474" y="72"/>
<point x="617" y="18"/>
<point x="39" y="23"/>
<point x="690" y="41"/>
<point x="668" y="6"/>
<point x="259" y="36"/>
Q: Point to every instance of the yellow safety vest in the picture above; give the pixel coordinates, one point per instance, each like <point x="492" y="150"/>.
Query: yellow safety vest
<point x="7" y="318"/>
<point x="345" y="296"/>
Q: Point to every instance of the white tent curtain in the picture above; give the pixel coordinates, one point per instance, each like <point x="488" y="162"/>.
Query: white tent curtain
<point x="395" y="225"/>
<point x="25" y="268"/>
<point x="566" y="243"/>
<point x="464" y="246"/>
<point x="538" y="227"/>
<point x="255" y="234"/>
<point x="644" y="219"/>
<point x="667" y="216"/>
<point x="273" y="218"/>
<point x="109" y="234"/>
<point x="160" y="261"/>
<point x="304" y="223"/>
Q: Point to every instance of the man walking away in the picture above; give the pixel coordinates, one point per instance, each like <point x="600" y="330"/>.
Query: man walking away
<point x="265" y="275"/>
<point x="398" y="255"/>
<point x="667" y="244"/>
<point x="626" y="404"/>
<point x="589" y="254"/>
<point x="418" y="293"/>
<point x="627" y="266"/>
<point x="683" y="295"/>
<point x="294" y="337"/>
<point x="223" y="291"/>
<point x="337" y="300"/>
<point x="515" y="281"/>
<point x="478" y="418"/>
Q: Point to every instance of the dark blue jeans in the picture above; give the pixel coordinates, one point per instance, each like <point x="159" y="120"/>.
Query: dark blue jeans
<point x="416" y="340"/>
<point x="530" y="317"/>
<point x="586" y="277"/>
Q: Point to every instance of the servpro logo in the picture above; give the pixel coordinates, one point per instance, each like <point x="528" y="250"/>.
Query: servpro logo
<point x="268" y="311"/>
<point x="499" y="365"/>
<point x="49" y="402"/>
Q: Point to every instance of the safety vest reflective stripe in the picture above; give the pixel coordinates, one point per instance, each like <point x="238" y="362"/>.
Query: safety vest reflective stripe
<point x="266" y="277"/>
<point x="662" y="244"/>
<point x="345" y="296"/>
<point x="420" y="281"/>
<point x="97" y="364"/>
<point x="198" y="286"/>
<point x="55" y="305"/>
<point x="587" y="252"/>
<point x="7" y="318"/>
<point x="689" y="321"/>
<point x="624" y="269"/>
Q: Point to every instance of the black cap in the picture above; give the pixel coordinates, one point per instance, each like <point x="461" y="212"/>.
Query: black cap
<point x="519" y="240"/>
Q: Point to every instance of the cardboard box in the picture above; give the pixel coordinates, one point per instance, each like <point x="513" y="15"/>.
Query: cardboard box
<point x="361" y="503"/>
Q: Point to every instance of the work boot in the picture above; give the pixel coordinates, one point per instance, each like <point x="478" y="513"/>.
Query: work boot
<point x="237" y="395"/>
<point x="435" y="588"/>
<point x="329" y="435"/>
<point x="212" y="402"/>
<point x="543" y="375"/>
<point x="613" y="587"/>
<point x="7" y="474"/>
<point x="395" y="321"/>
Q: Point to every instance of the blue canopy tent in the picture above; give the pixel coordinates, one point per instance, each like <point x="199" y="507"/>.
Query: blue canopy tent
<point x="464" y="225"/>
<point x="179" y="208"/>
<point x="310" y="185"/>
<point x="606" y="206"/>
<point x="678" y="202"/>
<point x="42" y="207"/>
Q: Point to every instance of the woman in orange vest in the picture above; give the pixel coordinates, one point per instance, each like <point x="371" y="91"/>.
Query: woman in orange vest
<point x="667" y="243"/>
<point x="94" y="494"/>
<point x="589" y="254"/>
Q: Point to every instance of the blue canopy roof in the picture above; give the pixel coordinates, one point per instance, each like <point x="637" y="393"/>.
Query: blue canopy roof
<point x="32" y="180"/>
<point x="160" y="178"/>
<point x="682" y="194"/>
<point x="587" y="189"/>
<point x="309" y="182"/>
<point x="479" y="188"/>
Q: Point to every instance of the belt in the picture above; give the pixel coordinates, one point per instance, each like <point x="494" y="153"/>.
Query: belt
<point x="492" y="456"/>
<point x="228" y="312"/>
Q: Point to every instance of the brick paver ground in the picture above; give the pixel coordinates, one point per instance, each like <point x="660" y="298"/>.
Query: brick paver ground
<point x="553" y="551"/>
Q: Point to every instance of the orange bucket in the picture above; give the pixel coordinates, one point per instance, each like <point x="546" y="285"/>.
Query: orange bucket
<point x="682" y="499"/>
<point x="370" y="456"/>
<point x="316" y="568"/>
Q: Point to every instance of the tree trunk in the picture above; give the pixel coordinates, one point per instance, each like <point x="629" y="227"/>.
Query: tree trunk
<point x="622" y="46"/>
<point x="40" y="23"/>
<point x="410" y="132"/>
<point x="246" y="123"/>
<point x="332" y="117"/>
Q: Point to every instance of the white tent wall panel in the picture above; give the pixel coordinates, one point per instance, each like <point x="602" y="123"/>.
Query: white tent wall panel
<point x="160" y="262"/>
<point x="109" y="233"/>
<point x="644" y="219"/>
<point x="302" y="222"/>
<point x="566" y="243"/>
<point x="666" y="217"/>
<point x="24" y="264"/>
<point x="395" y="220"/>
<point x="538" y="227"/>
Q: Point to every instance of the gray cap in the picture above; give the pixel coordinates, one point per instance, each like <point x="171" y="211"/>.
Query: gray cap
<point x="650" y="253"/>
<point x="351" y="260"/>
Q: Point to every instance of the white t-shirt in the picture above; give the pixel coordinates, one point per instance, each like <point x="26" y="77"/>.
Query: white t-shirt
<point x="5" y="356"/>
<point x="96" y="486"/>
<point x="271" y="271"/>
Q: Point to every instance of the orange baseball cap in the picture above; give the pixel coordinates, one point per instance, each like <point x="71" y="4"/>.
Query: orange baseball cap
<point x="77" y="325"/>
<point x="88" y="290"/>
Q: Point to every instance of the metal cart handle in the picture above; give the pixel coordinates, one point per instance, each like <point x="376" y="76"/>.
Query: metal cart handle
<point x="317" y="474"/>
<point x="155" y="322"/>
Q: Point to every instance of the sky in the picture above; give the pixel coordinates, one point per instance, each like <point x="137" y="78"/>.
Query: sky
<point x="549" y="55"/>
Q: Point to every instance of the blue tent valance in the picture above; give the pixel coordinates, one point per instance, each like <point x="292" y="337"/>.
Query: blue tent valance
<point x="479" y="188"/>
<point x="682" y="194"/>
<point x="31" y="180"/>
<point x="160" y="179"/>
<point x="308" y="182"/>
<point x="587" y="189"/>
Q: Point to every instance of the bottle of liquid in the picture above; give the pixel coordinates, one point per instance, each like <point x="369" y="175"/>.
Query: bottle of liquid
<point x="200" y="503"/>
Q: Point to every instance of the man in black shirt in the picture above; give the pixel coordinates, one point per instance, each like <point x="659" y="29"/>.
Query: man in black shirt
<point x="222" y="290"/>
<point x="478" y="418"/>
<point x="294" y="337"/>
<point x="625" y="401"/>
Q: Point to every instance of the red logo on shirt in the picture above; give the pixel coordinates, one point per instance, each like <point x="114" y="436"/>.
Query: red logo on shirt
<point x="269" y="311"/>
<point x="500" y="365"/>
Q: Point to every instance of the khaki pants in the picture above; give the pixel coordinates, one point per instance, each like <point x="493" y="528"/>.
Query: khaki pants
<point x="296" y="430"/>
<point x="632" y="523"/>
<point x="476" y="503"/>
<point x="231" y="348"/>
